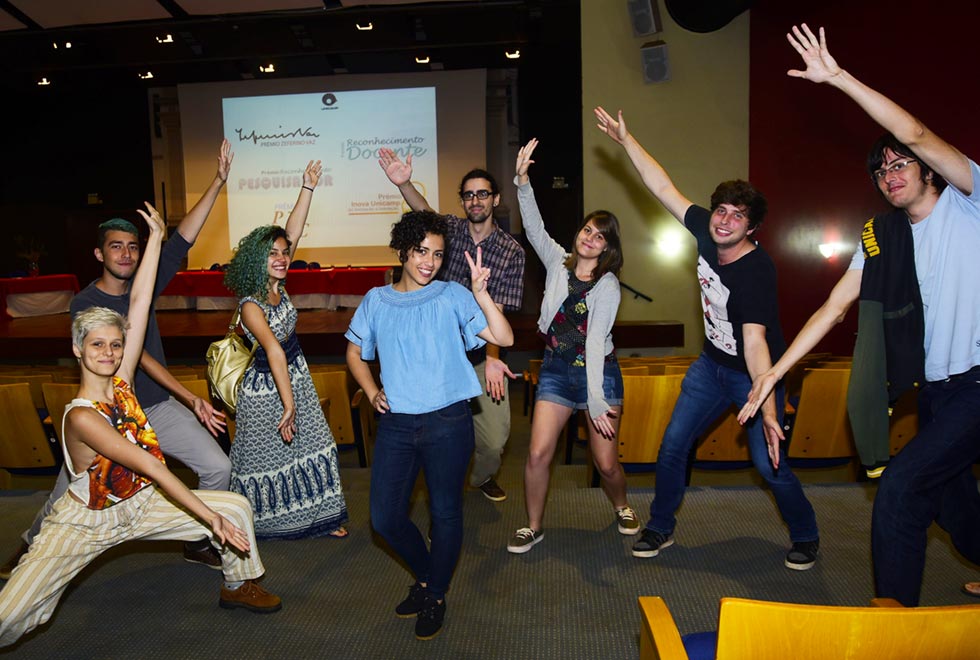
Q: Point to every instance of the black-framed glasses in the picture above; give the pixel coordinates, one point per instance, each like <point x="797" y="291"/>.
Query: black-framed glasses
<point x="479" y="194"/>
<point x="897" y="166"/>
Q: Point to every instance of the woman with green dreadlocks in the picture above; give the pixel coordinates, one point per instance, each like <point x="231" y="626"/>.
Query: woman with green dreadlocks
<point x="284" y="459"/>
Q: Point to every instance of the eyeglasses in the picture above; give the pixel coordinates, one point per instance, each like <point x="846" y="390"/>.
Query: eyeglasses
<point x="479" y="194"/>
<point x="894" y="167"/>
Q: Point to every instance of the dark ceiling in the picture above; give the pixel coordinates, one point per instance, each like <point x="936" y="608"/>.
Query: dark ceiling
<point x="114" y="42"/>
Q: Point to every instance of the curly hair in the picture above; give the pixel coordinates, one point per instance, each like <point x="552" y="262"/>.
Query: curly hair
<point x="248" y="272"/>
<point x="741" y="193"/>
<point x="411" y="230"/>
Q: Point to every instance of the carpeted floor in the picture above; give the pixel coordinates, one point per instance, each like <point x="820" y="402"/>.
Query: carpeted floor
<point x="572" y="596"/>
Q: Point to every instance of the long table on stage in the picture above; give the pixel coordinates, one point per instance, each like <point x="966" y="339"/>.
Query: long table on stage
<point x="319" y="288"/>
<point x="36" y="296"/>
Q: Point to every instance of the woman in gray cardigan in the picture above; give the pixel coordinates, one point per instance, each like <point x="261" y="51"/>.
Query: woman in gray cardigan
<point x="579" y="371"/>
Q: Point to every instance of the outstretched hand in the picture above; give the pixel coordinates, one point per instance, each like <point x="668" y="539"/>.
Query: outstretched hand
<point x="762" y="387"/>
<point x="225" y="156"/>
<point x="524" y="160"/>
<point x="229" y="534"/>
<point x="397" y="172"/>
<point x="604" y="425"/>
<point x="213" y="420"/>
<point x="153" y="219"/>
<point x="614" y="128"/>
<point x="820" y="66"/>
<point x="311" y="175"/>
<point x="479" y="276"/>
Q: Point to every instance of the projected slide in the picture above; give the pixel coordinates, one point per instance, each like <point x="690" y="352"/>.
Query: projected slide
<point x="273" y="138"/>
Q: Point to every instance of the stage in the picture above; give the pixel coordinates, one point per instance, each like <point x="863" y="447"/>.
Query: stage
<point x="187" y="334"/>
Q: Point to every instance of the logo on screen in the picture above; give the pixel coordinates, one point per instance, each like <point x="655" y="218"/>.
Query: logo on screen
<point x="329" y="100"/>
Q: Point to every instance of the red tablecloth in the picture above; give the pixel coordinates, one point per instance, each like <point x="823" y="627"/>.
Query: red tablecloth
<point x="339" y="281"/>
<point x="41" y="284"/>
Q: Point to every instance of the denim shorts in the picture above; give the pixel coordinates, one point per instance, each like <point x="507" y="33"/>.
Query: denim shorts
<point x="561" y="383"/>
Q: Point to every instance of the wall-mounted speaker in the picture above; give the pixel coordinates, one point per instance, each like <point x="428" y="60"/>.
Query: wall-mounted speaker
<point x="644" y="17"/>
<point x="655" y="63"/>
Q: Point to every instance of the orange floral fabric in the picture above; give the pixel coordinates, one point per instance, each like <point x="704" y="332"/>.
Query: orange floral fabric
<point x="109" y="482"/>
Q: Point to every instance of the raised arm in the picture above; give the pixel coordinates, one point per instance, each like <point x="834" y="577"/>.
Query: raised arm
<point x="548" y="250"/>
<point x="254" y="319"/>
<point x="296" y="221"/>
<point x="193" y="222"/>
<point x="498" y="330"/>
<point x="91" y="429"/>
<point x="941" y="156"/>
<point x="400" y="174"/>
<point x="654" y="176"/>
<point x="141" y="294"/>
<point x="832" y="312"/>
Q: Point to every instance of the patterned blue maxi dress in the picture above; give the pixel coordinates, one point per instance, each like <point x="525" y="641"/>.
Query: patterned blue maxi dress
<point x="294" y="488"/>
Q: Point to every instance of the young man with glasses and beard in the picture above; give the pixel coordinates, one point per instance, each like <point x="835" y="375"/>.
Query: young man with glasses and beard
<point x="925" y="251"/>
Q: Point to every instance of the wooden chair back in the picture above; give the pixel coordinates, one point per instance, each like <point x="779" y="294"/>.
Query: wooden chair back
<point x="761" y="630"/>
<point x="34" y="382"/>
<point x="821" y="428"/>
<point x="331" y="386"/>
<point x="648" y="402"/>
<point x="56" y="397"/>
<point x="23" y="443"/>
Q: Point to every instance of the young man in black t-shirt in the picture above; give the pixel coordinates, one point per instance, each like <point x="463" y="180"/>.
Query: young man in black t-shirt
<point x="742" y="338"/>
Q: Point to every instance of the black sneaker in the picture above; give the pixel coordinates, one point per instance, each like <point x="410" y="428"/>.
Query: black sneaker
<point x="492" y="490"/>
<point x="651" y="543"/>
<point x="523" y="540"/>
<point x="411" y="605"/>
<point x="205" y="554"/>
<point x="803" y="555"/>
<point x="429" y="623"/>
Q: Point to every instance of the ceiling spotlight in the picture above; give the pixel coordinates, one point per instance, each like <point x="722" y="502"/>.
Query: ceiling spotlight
<point x="67" y="44"/>
<point x="269" y="68"/>
<point x="422" y="60"/>
<point x="516" y="55"/>
<point x="168" y="39"/>
<point x="54" y="44"/>
<point x="364" y="28"/>
<point x="43" y="81"/>
<point x="146" y="76"/>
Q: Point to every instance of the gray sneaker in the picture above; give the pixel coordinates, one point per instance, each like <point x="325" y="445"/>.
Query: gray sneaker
<point x="628" y="522"/>
<point x="651" y="543"/>
<point x="492" y="490"/>
<point x="523" y="540"/>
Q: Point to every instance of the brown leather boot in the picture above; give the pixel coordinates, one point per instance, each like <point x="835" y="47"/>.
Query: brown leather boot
<point x="250" y="596"/>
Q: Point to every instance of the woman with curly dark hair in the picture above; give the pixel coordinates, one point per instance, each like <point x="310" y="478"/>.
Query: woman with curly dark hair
<point x="420" y="329"/>
<point x="284" y="459"/>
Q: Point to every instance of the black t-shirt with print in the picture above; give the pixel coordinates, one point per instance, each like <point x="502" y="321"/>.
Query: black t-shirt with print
<point x="743" y="291"/>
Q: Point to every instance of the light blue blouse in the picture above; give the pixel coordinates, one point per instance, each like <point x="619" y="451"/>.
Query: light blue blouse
<point x="421" y="338"/>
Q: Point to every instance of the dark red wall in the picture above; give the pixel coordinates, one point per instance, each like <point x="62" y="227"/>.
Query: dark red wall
<point x="808" y="142"/>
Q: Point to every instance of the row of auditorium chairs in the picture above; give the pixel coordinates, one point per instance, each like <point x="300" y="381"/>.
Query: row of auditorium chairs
<point x="25" y="390"/>
<point x="816" y="419"/>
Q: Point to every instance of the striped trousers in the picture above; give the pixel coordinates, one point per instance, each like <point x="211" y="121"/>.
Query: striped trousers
<point x="73" y="535"/>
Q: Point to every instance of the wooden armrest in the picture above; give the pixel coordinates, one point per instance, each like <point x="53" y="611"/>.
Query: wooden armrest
<point x="885" y="602"/>
<point x="659" y="637"/>
<point x="355" y="401"/>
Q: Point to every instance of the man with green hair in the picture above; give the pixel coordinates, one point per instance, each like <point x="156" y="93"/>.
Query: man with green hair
<point x="183" y="434"/>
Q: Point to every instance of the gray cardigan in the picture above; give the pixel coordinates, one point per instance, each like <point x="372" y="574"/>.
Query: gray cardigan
<point x="602" y="300"/>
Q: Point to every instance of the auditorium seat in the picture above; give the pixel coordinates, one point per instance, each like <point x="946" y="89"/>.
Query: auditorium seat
<point x="762" y="630"/>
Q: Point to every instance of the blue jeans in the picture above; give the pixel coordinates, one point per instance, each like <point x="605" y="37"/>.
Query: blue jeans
<point x="930" y="479"/>
<point x="707" y="391"/>
<point x="440" y="444"/>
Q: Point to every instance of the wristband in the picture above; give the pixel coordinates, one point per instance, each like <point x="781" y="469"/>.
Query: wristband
<point x="308" y="188"/>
